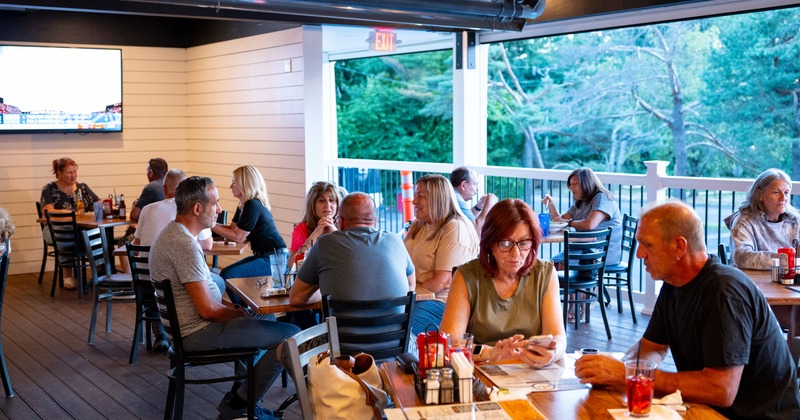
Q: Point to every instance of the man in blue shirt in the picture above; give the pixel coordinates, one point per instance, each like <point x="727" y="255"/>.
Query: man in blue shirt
<point x="465" y="184"/>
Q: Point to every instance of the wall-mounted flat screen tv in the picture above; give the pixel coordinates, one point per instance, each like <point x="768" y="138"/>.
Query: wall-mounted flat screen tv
<point x="60" y="90"/>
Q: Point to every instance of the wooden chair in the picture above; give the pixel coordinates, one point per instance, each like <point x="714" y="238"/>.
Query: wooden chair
<point x="181" y="360"/>
<point x="4" y="261"/>
<point x="584" y="261"/>
<point x="69" y="246"/>
<point x="619" y="275"/>
<point x="46" y="249"/>
<point x="143" y="292"/>
<point x="107" y="287"/>
<point x="361" y="330"/>
<point x="323" y="337"/>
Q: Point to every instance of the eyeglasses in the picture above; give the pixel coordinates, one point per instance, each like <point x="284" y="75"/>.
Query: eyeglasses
<point x="523" y="245"/>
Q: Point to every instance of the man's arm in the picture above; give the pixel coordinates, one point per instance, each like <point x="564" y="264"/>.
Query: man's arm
<point x="487" y="201"/>
<point x="206" y="244"/>
<point x="135" y="213"/>
<point x="303" y="293"/>
<point x="208" y="308"/>
<point x="412" y="282"/>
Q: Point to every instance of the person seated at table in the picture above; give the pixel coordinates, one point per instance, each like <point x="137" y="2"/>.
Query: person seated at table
<point x="440" y="239"/>
<point x="728" y="349"/>
<point x="252" y="222"/>
<point x="765" y="222"/>
<point x="206" y="322"/>
<point x="465" y="182"/>
<point x="7" y="229"/>
<point x="322" y="208"/>
<point x="508" y="294"/>
<point x="154" y="190"/>
<point x="594" y="209"/>
<point x="152" y="220"/>
<point x="61" y="195"/>
<point x="357" y="262"/>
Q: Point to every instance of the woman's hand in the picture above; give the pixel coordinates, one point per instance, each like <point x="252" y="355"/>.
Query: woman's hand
<point x="539" y="356"/>
<point x="548" y="201"/>
<point x="508" y="348"/>
<point x="325" y="225"/>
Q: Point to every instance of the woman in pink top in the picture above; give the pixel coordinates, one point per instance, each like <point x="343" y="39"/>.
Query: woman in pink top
<point x="322" y="209"/>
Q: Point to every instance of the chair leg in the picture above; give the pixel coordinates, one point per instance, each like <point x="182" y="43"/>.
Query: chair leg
<point x="630" y="300"/>
<point x="619" y="292"/>
<point x="284" y="379"/>
<point x="251" y="389"/>
<point x="603" y="311"/>
<point x="137" y="336"/>
<point x="170" y="406"/>
<point x="93" y="322"/>
<point x="180" y="388"/>
<point x="44" y="262"/>
<point x="6" y="379"/>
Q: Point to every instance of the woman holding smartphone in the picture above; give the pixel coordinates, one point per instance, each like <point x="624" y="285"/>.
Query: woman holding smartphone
<point x="507" y="294"/>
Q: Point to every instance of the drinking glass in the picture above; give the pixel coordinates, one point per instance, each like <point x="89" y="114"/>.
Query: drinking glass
<point x="277" y="262"/>
<point x="544" y="223"/>
<point x="640" y="382"/>
<point x="463" y="343"/>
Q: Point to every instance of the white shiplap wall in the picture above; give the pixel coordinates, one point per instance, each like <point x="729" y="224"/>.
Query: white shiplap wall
<point x="245" y="107"/>
<point x="206" y="110"/>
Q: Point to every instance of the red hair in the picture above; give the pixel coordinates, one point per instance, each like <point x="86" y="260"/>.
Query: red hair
<point x="500" y="223"/>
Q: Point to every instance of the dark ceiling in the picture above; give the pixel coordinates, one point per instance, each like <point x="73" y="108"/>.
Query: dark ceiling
<point x="167" y="23"/>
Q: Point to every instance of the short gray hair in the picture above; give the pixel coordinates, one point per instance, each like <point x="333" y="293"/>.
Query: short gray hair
<point x="191" y="191"/>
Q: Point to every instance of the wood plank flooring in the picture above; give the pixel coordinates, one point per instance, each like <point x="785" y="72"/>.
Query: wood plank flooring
<point x="56" y="374"/>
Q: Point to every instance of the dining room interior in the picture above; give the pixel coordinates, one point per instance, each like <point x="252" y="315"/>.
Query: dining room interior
<point x="213" y="85"/>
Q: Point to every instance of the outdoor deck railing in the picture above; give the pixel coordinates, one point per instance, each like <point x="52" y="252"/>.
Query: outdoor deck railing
<point x="712" y="198"/>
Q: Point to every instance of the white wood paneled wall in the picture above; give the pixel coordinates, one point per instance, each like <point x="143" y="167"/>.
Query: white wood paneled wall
<point x="205" y="110"/>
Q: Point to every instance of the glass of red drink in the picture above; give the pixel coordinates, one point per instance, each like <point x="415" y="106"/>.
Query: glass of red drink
<point x="461" y="343"/>
<point x="640" y="383"/>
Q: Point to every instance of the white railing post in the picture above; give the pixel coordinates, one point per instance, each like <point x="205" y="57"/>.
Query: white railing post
<point x="654" y="185"/>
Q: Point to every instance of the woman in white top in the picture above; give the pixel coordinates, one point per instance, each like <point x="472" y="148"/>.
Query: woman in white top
<point x="440" y="239"/>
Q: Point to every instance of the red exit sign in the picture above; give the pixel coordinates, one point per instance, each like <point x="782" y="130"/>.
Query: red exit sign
<point x="382" y="41"/>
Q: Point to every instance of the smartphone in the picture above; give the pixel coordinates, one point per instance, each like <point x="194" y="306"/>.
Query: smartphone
<point x="541" y="340"/>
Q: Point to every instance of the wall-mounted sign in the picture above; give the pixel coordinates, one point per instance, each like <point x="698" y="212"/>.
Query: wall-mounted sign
<point x="382" y="41"/>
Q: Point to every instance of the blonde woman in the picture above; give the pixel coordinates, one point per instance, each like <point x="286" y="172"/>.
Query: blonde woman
<point x="252" y="222"/>
<point x="322" y="209"/>
<point x="439" y="239"/>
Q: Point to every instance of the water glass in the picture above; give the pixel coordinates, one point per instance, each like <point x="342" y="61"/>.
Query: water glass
<point x="277" y="263"/>
<point x="463" y="343"/>
<point x="640" y="382"/>
<point x="544" y="222"/>
<point x="98" y="210"/>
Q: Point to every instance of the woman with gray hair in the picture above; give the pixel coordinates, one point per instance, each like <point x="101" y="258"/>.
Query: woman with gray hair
<point x="764" y="222"/>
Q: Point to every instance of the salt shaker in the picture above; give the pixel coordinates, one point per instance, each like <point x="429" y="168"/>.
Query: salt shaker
<point x="775" y="270"/>
<point x="432" y="387"/>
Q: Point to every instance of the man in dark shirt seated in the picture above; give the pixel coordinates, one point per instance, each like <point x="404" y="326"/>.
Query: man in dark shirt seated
<point x="156" y="171"/>
<point x="726" y="343"/>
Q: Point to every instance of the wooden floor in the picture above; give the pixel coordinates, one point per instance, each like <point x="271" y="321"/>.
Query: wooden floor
<point x="56" y="374"/>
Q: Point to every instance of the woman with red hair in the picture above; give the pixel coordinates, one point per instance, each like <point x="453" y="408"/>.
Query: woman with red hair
<point x="507" y="294"/>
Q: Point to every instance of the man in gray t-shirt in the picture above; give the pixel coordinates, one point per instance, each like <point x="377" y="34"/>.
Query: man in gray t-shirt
<point x="206" y="322"/>
<point x="357" y="262"/>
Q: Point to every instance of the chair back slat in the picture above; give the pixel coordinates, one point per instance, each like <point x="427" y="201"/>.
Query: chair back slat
<point x="169" y="319"/>
<point x="65" y="233"/>
<point x="360" y="329"/>
<point x="296" y="363"/>
<point x="94" y="244"/>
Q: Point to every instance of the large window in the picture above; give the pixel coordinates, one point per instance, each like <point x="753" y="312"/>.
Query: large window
<point x="715" y="96"/>
<point x="397" y="107"/>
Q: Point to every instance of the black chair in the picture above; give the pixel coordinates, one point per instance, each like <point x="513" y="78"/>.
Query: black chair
<point x="46" y="251"/>
<point x="584" y="259"/>
<point x="143" y="291"/>
<point x="222" y="219"/>
<point x="361" y="330"/>
<point x="108" y="287"/>
<point x="4" y="260"/>
<point x="180" y="359"/>
<point x="722" y="253"/>
<point x="69" y="246"/>
<point x="320" y="338"/>
<point x="619" y="275"/>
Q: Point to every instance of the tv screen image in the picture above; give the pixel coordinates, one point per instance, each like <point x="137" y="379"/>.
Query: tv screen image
<point x="60" y="90"/>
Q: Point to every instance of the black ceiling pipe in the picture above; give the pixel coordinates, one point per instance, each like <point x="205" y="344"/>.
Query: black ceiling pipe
<point x="442" y="14"/>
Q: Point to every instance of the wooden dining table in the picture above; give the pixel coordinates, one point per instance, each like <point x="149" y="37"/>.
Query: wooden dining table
<point x="586" y="403"/>
<point x="778" y="295"/>
<point x="251" y="290"/>
<point x="218" y="248"/>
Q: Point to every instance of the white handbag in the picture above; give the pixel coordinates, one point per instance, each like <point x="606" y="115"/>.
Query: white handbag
<point x="339" y="394"/>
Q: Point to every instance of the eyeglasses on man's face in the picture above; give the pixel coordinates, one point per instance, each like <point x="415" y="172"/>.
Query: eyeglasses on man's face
<point x="522" y="245"/>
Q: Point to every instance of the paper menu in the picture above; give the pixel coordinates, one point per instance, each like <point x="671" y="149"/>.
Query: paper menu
<point x="513" y="409"/>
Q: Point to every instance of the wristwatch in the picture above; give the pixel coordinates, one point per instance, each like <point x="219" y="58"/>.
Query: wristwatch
<point x="569" y="223"/>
